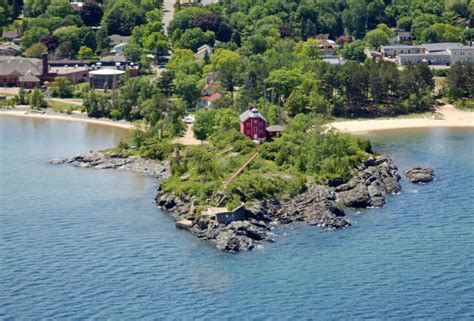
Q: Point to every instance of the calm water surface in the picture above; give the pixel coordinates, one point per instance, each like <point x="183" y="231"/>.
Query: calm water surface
<point x="90" y="244"/>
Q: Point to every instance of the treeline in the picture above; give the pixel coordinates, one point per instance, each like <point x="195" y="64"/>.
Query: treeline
<point x="70" y="32"/>
<point x="138" y="99"/>
<point x="254" y="26"/>
<point x="459" y="85"/>
<point x="290" y="79"/>
<point x="353" y="89"/>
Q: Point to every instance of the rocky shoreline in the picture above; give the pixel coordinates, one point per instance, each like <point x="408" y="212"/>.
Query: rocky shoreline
<point x="320" y="205"/>
<point x="109" y="160"/>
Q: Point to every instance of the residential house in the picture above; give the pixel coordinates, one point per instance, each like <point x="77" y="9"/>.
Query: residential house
<point x="77" y="5"/>
<point x="202" y="52"/>
<point x="10" y="50"/>
<point x="209" y="91"/>
<point x="118" y="43"/>
<point x="403" y="36"/>
<point x="328" y="47"/>
<point x="208" y="100"/>
<point x="12" y="36"/>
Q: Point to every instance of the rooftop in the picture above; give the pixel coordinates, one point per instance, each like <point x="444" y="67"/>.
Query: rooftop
<point x="11" y="34"/>
<point x="250" y="113"/>
<point x="401" y="46"/>
<point x="28" y="78"/>
<point x="442" y="46"/>
<point x="119" y="58"/>
<point x="106" y="72"/>
<point x="213" y="97"/>
<point x="216" y="210"/>
<point x="10" y="46"/>
<point x="67" y="70"/>
<point x="436" y="53"/>
<point x="20" y="66"/>
<point x="275" y="128"/>
<point x="117" y="39"/>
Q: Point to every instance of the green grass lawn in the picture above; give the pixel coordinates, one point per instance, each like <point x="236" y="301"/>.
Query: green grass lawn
<point x="62" y="107"/>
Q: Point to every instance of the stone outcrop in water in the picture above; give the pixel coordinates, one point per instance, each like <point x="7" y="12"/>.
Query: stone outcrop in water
<point x="420" y="174"/>
<point x="106" y="160"/>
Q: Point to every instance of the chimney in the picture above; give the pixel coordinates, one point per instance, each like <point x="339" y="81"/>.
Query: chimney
<point x="44" y="57"/>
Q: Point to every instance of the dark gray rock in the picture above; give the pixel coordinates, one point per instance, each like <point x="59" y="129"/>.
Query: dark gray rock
<point x="104" y="160"/>
<point x="316" y="206"/>
<point x="228" y="241"/>
<point x="356" y="197"/>
<point x="377" y="177"/>
<point x="57" y="161"/>
<point x="420" y="174"/>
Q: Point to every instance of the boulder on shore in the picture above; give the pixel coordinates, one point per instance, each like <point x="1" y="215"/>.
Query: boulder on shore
<point x="420" y="174"/>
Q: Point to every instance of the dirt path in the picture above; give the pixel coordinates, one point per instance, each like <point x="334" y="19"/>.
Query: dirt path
<point x="240" y="169"/>
<point x="188" y="138"/>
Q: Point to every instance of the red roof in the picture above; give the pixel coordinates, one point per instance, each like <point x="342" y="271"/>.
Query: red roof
<point x="212" y="97"/>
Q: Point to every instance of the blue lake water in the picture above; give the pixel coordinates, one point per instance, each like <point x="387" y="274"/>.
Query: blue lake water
<point x="91" y="244"/>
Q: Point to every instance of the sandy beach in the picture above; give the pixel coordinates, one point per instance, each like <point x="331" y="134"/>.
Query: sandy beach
<point x="23" y="112"/>
<point x="445" y="116"/>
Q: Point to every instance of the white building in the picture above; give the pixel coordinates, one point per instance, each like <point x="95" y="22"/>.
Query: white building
<point x="434" y="53"/>
<point x="99" y="78"/>
<point x="395" y="50"/>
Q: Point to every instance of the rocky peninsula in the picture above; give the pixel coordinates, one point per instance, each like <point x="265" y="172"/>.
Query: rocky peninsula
<point x="320" y="205"/>
<point x="110" y="160"/>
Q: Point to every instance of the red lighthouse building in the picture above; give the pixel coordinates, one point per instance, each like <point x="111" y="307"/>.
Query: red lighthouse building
<point x="253" y="125"/>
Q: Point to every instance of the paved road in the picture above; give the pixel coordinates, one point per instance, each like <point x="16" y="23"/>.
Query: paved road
<point x="168" y="13"/>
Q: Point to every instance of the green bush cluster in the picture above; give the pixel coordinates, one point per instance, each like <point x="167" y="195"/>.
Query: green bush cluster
<point x="306" y="151"/>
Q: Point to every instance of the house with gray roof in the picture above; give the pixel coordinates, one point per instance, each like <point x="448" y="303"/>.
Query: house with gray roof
<point x="12" y="35"/>
<point x="10" y="50"/>
<point x="12" y="68"/>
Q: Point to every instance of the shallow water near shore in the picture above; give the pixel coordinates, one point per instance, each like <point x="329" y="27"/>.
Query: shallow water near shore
<point x="84" y="243"/>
